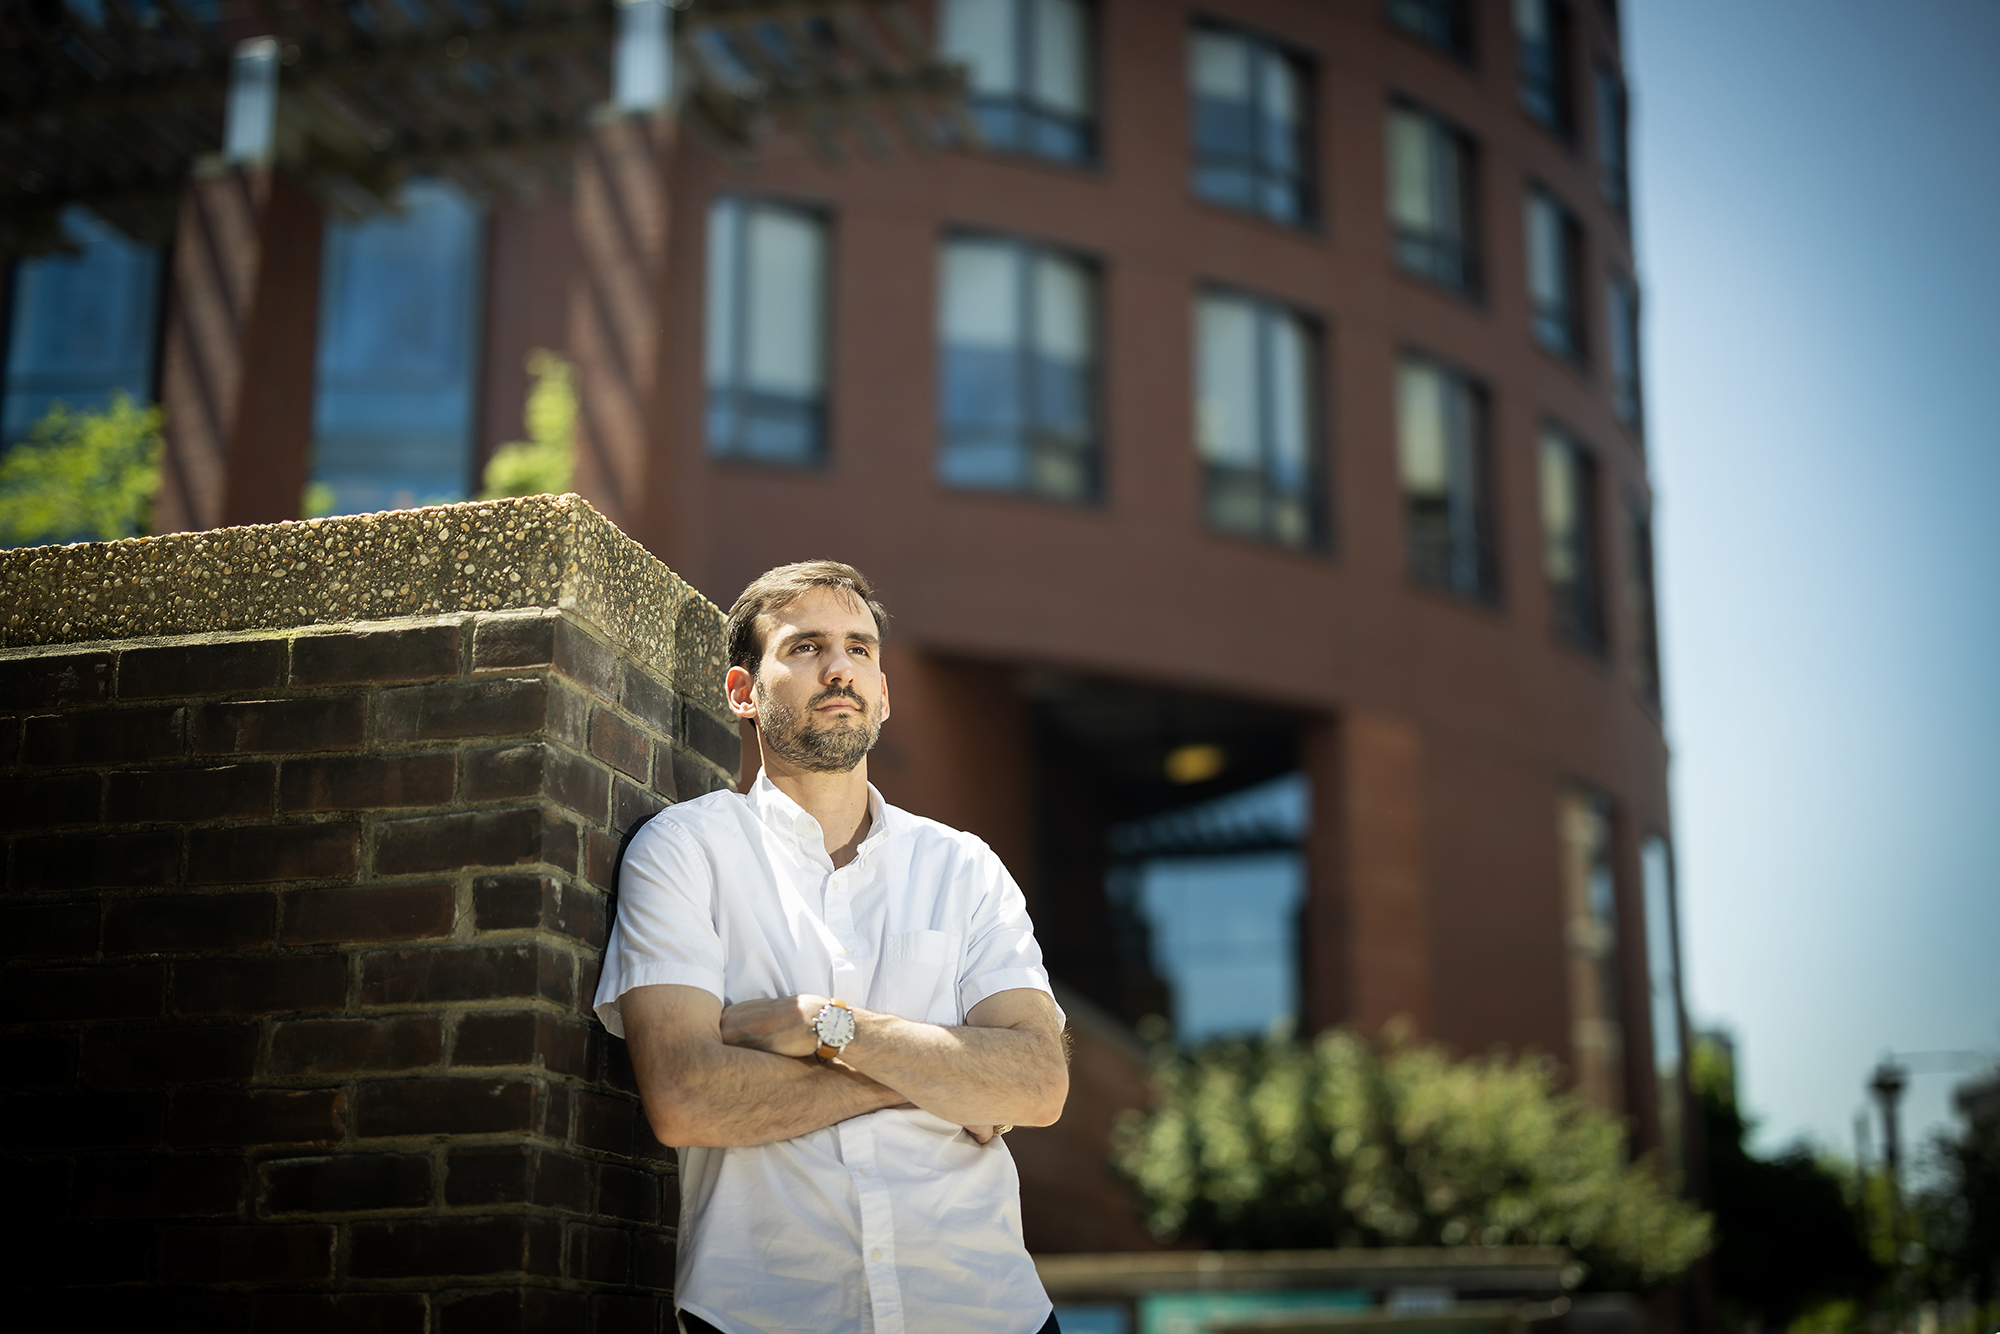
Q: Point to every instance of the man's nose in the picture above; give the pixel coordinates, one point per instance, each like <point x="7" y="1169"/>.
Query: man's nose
<point x="839" y="667"/>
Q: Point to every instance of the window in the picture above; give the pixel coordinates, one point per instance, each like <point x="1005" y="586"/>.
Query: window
<point x="1431" y="193"/>
<point x="1641" y="598"/>
<point x="1663" y="977"/>
<point x="83" y="325"/>
<point x="1613" y="169"/>
<point x="1029" y="63"/>
<point x="1626" y="399"/>
<point x="1590" y="904"/>
<point x="1569" y="539"/>
<point x="398" y="346"/>
<point x="1019" y="356"/>
<point x="1251" y="146"/>
<point x="766" y="332"/>
<point x="1445" y="24"/>
<point x="1555" y="274"/>
<point x="1542" y="46"/>
<point x="1257" y="418"/>
<point x="1447" y="497"/>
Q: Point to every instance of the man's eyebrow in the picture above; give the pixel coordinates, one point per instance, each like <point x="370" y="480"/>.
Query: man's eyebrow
<point x="799" y="636"/>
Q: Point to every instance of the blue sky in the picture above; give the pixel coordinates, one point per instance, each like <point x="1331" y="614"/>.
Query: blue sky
<point x="1818" y="218"/>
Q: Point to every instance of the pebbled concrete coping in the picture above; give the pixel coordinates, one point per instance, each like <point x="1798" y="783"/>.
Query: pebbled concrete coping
<point x="553" y="552"/>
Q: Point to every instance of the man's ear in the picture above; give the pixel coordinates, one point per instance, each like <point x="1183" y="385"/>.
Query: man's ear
<point x="885" y="698"/>
<point x="741" y="690"/>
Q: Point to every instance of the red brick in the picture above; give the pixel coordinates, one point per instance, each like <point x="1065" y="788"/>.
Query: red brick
<point x="500" y="643"/>
<point x="692" y="778"/>
<point x="649" y="699"/>
<point x="261" y="853"/>
<point x="586" y="660"/>
<point x="628" y="1194"/>
<point x="177" y="923"/>
<point x="516" y="1174"/>
<point x="514" y="1311"/>
<point x="601" y="854"/>
<point x="99" y="861"/>
<point x="351" y="914"/>
<point x="73" y="1254"/>
<point x="47" y="930"/>
<point x="604" y="1122"/>
<point x="456" y="1247"/>
<point x="271" y="985"/>
<point x="346" y="1183"/>
<point x="32" y="1121"/>
<point x="51" y="995"/>
<point x="268" y="726"/>
<point x="449" y="1106"/>
<point x="512" y="902"/>
<point x="55" y="681"/>
<point x="183" y="796"/>
<point x="37" y="1061"/>
<point x="103" y="736"/>
<point x="620" y="1313"/>
<point x="265" y="1116"/>
<point x="178" y="670"/>
<point x="154" y="1187"/>
<point x="453" y="710"/>
<point x="352" y="1313"/>
<point x="653" y="1261"/>
<point x="522" y="1038"/>
<point x="606" y="1254"/>
<point x="289" y="1253"/>
<point x="153" y="1057"/>
<point x="715" y="740"/>
<point x="340" y="1046"/>
<point x="533" y="769"/>
<point x="621" y="745"/>
<point x="364" y="782"/>
<point x="480" y="972"/>
<point x="457" y="842"/>
<point x="632" y="805"/>
<point x="50" y="801"/>
<point x="568" y="715"/>
<point x="413" y="654"/>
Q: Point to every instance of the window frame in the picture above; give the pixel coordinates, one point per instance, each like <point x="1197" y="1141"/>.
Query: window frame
<point x="1577" y="619"/>
<point x="1561" y="84"/>
<point x="823" y="216"/>
<point x="1487" y="592"/>
<point x="1465" y="53"/>
<point x="1471" y="217"/>
<point x="1623" y="326"/>
<point x="1095" y="494"/>
<point x="1614" y="152"/>
<point x="1575" y="347"/>
<point x="1319" y="471"/>
<point x="1642" y="601"/>
<point x="1021" y="102"/>
<point x="1305" y="67"/>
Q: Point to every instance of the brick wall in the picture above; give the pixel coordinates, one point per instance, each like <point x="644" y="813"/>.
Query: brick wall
<point x="301" y="931"/>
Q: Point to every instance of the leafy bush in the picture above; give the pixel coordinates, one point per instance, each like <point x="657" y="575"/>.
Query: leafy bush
<point x="82" y="476"/>
<point x="1268" y="1143"/>
<point x="544" y="463"/>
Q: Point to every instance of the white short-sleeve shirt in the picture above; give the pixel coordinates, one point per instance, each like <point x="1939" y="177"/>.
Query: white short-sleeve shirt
<point x="890" y="1222"/>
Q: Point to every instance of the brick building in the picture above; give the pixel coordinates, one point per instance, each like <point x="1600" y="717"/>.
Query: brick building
<point x="1247" y="435"/>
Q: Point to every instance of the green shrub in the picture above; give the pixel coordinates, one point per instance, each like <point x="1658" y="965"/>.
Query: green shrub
<point x="82" y="476"/>
<point x="1273" y="1144"/>
<point x="544" y="463"/>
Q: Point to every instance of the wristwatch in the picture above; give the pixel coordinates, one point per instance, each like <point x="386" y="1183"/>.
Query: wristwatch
<point x="834" y="1026"/>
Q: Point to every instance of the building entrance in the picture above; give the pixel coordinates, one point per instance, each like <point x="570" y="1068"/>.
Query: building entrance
<point x="1168" y="874"/>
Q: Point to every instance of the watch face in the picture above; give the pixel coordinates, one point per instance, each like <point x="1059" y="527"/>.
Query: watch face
<point x="835" y="1025"/>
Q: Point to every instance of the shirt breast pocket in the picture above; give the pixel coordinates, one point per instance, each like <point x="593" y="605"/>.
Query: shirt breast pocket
<point x="918" y="978"/>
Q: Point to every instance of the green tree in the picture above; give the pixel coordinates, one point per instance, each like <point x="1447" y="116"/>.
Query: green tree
<point x="1270" y="1143"/>
<point x="82" y="476"/>
<point x="1956" y="1215"/>
<point x="544" y="463"/>
<point x="1790" y="1236"/>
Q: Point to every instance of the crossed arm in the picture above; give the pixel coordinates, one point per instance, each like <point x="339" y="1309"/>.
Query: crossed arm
<point x="721" y="1078"/>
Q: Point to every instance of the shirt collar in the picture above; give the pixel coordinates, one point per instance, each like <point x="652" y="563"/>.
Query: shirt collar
<point x="787" y="817"/>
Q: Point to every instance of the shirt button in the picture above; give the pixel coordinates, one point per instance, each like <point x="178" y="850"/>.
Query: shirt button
<point x="875" y="1254"/>
<point x="864" y="1171"/>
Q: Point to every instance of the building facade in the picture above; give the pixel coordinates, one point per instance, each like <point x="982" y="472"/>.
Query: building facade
<point x="1246" y="431"/>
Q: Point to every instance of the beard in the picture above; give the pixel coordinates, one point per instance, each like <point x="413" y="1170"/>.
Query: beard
<point x="835" y="748"/>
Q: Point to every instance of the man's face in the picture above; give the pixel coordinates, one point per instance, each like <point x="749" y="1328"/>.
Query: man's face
<point x="820" y="693"/>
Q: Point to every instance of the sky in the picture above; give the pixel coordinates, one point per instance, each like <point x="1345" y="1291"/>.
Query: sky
<point x="1818" y="225"/>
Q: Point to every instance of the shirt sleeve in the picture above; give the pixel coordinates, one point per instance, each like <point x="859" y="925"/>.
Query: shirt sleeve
<point x="664" y="930"/>
<point x="1001" y="953"/>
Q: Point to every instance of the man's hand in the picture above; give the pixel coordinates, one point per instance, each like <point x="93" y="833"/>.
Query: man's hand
<point x="782" y="1025"/>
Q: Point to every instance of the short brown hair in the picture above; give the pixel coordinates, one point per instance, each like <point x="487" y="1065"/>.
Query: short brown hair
<point x="780" y="588"/>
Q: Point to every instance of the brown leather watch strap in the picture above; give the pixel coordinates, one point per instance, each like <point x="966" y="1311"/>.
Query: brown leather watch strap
<point x="827" y="1051"/>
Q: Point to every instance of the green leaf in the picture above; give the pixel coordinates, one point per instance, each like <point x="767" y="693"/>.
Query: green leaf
<point x="82" y="476"/>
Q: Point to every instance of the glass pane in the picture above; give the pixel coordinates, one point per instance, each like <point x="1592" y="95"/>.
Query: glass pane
<point x="1531" y="20"/>
<point x="1062" y="309"/>
<point x="783" y="301"/>
<point x="1590" y="901"/>
<point x="1663" y="978"/>
<point x="1410" y="200"/>
<point x="392" y="419"/>
<point x="82" y="326"/>
<point x="1291" y="402"/>
<point x="1559" y="511"/>
<point x="1219" y="67"/>
<point x="982" y="294"/>
<point x="1228" y="422"/>
<point x="1224" y="939"/>
<point x="981" y="33"/>
<point x="724" y="222"/>
<point x="1061" y="76"/>
<point x="1545" y="251"/>
<point x="1278" y="91"/>
<point x="1423" y="436"/>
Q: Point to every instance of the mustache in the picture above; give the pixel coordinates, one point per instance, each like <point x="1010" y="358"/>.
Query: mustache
<point x="838" y="692"/>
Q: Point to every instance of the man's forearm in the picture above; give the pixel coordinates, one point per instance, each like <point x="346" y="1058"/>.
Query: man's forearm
<point x="972" y="1075"/>
<point x="729" y="1097"/>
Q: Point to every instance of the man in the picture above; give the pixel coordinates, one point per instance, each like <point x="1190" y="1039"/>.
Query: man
<point x="835" y="1009"/>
